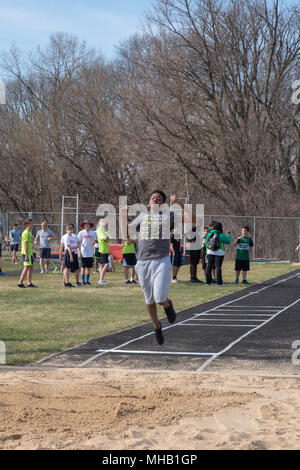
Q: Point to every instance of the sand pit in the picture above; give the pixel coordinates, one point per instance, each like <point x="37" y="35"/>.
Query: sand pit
<point x="101" y="409"/>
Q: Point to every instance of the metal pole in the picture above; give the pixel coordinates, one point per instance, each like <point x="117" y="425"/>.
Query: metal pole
<point x="299" y="243"/>
<point x="62" y="215"/>
<point x="7" y="225"/>
<point x="77" y="213"/>
<point x="254" y="236"/>
<point x="184" y="230"/>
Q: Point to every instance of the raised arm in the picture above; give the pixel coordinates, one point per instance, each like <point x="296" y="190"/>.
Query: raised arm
<point x="188" y="215"/>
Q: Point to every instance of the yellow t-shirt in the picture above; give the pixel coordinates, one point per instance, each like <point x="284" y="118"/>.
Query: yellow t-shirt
<point x="26" y="237"/>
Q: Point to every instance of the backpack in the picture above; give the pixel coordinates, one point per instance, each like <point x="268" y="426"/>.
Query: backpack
<point x="213" y="242"/>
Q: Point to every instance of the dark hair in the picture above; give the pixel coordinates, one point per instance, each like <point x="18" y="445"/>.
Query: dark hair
<point x="246" y="228"/>
<point x="159" y="192"/>
<point x="218" y="226"/>
<point x="27" y="222"/>
<point x="206" y="228"/>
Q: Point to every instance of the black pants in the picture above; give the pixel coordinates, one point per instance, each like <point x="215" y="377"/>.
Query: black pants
<point x="211" y="260"/>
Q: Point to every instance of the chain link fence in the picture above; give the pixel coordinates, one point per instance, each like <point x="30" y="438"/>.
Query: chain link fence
<point x="274" y="238"/>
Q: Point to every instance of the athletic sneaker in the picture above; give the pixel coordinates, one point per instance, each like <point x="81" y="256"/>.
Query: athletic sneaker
<point x="127" y="281"/>
<point x="31" y="285"/>
<point x="133" y="281"/>
<point x="67" y="284"/>
<point x="246" y="282"/>
<point x="78" y="284"/>
<point x="88" y="283"/>
<point x="221" y="285"/>
<point x="196" y="281"/>
<point x="170" y="312"/>
<point x="175" y="280"/>
<point x="158" y="335"/>
<point x="21" y="286"/>
<point x="102" y="283"/>
<point x="45" y="269"/>
<point x="42" y="271"/>
<point x="236" y="281"/>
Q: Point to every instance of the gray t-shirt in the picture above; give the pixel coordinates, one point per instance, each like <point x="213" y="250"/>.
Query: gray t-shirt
<point x="153" y="233"/>
<point x="43" y="235"/>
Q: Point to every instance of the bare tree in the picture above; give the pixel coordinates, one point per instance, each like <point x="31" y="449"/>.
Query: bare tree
<point x="210" y="92"/>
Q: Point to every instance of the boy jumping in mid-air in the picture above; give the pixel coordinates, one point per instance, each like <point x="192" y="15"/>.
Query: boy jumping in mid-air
<point x="153" y="267"/>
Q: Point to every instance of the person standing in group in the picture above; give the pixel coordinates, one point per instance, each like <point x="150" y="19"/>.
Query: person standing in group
<point x="27" y="254"/>
<point x="213" y="269"/>
<point x="176" y="257"/>
<point x="71" y="245"/>
<point x="204" y="254"/>
<point x="153" y="261"/>
<point x="14" y="242"/>
<point x="129" y="260"/>
<point x="244" y="245"/>
<point x="87" y="239"/>
<point x="195" y="255"/>
<point x="215" y="249"/>
<point x="44" y="237"/>
<point x="203" y="250"/>
<point x="1" y="240"/>
<point x="103" y="237"/>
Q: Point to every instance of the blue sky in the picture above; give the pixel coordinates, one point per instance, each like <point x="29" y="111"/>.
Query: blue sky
<point x="101" y="23"/>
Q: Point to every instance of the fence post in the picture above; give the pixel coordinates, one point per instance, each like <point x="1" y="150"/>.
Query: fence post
<point x="254" y="236"/>
<point x="2" y="353"/>
<point x="7" y="224"/>
<point x="299" y="243"/>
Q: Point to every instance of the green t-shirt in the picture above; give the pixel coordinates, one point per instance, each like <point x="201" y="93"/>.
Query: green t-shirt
<point x="243" y="248"/>
<point x="26" y="237"/>
<point x="128" y="248"/>
<point x="103" y="233"/>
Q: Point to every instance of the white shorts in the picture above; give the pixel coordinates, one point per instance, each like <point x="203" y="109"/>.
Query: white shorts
<point x="154" y="277"/>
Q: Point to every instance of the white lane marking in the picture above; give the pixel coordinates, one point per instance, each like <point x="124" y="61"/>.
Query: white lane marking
<point x="209" y="361"/>
<point x="169" y="353"/>
<point x="272" y="307"/>
<point x="244" y="310"/>
<point x="191" y="318"/>
<point x="213" y="314"/>
<point x="224" y="319"/>
<point x="210" y="325"/>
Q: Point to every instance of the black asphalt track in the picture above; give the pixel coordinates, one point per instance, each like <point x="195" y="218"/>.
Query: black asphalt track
<point x="252" y="330"/>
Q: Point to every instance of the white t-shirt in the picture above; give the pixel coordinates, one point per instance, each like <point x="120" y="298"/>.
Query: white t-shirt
<point x="86" y="246"/>
<point x="70" y="240"/>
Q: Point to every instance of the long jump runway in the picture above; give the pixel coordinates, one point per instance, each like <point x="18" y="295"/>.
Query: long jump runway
<point x="254" y="329"/>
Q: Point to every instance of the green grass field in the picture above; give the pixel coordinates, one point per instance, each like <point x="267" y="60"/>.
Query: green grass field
<point x="35" y="323"/>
